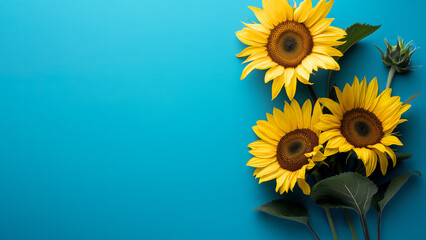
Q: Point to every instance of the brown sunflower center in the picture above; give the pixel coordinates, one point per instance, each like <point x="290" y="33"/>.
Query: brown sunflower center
<point x="293" y="146"/>
<point x="289" y="43"/>
<point x="361" y="127"/>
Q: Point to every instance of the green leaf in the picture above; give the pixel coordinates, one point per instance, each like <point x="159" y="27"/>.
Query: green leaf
<point x="412" y="98"/>
<point x="284" y="208"/>
<point x="389" y="189"/>
<point x="347" y="190"/>
<point x="403" y="156"/>
<point x="356" y="33"/>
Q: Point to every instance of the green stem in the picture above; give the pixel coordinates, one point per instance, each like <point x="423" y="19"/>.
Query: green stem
<point x="312" y="92"/>
<point x="330" y="221"/>
<point x="312" y="230"/>
<point x="378" y="225"/>
<point x="364" y="227"/>
<point x="329" y="84"/>
<point x="351" y="226"/>
<point x="390" y="77"/>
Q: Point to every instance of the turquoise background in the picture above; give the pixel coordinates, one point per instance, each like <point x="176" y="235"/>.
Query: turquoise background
<point x="126" y="119"/>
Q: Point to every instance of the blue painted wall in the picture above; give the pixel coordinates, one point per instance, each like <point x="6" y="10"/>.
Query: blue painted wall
<point x="126" y="119"/>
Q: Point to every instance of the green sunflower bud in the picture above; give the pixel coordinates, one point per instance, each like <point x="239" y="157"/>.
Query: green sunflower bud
<point x="399" y="56"/>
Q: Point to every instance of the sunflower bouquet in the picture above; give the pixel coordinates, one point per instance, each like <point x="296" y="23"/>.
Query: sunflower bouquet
<point x="335" y="148"/>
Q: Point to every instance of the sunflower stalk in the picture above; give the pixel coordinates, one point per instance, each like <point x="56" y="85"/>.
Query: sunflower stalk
<point x="329" y="84"/>
<point x="390" y="77"/>
<point x="351" y="226"/>
<point x="364" y="227"/>
<point x="379" y="218"/>
<point x="313" y="232"/>
<point x="330" y="221"/>
<point x="312" y="93"/>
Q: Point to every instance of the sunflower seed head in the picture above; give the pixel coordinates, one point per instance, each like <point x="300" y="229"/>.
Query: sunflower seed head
<point x="398" y="56"/>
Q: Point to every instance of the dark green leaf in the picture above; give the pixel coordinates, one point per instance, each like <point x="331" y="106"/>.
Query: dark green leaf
<point x="286" y="209"/>
<point x="346" y="190"/>
<point x="389" y="189"/>
<point x="403" y="156"/>
<point x="355" y="33"/>
<point x="412" y="98"/>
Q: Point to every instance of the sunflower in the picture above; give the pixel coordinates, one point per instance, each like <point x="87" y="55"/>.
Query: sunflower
<point x="291" y="43"/>
<point x="362" y="122"/>
<point x="288" y="146"/>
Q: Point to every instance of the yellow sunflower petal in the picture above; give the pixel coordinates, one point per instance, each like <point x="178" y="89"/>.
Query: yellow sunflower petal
<point x="273" y="73"/>
<point x="271" y="120"/>
<point x="259" y="37"/>
<point x="328" y="40"/>
<point x="311" y="62"/>
<point x="304" y="186"/>
<point x="280" y="120"/>
<point x="330" y="151"/>
<point x="271" y="176"/>
<point x="258" y="27"/>
<point x="378" y="146"/>
<point x="251" y="50"/>
<point x="277" y="85"/>
<point x="303" y="80"/>
<point x="326" y="123"/>
<point x="348" y="98"/>
<point x="289" y="11"/>
<point x="270" y="10"/>
<point x="298" y="114"/>
<point x="346" y="147"/>
<point x="315" y="14"/>
<point x="327" y="8"/>
<point x="334" y="31"/>
<point x="326" y="61"/>
<point x="269" y="129"/>
<point x="302" y="12"/>
<point x="355" y="91"/>
<point x="327" y="50"/>
<point x="383" y="161"/>
<point x="289" y="116"/>
<point x="391" y="140"/>
<point x="271" y="168"/>
<point x="256" y="56"/>
<point x="391" y="154"/>
<point x="286" y="185"/>
<point x="263" y="152"/>
<point x="293" y="180"/>
<point x="327" y="135"/>
<point x="371" y="94"/>
<point x="307" y="113"/>
<point x="280" y="180"/>
<point x="370" y="163"/>
<point x="301" y="71"/>
<point x="250" y="67"/>
<point x="260" y="162"/>
<point x="264" y="63"/>
<point x="318" y="157"/>
<point x="262" y="17"/>
<point x="260" y="143"/>
<point x="362" y="93"/>
<point x="316" y="115"/>
<point x="334" y="107"/>
<point x="290" y="87"/>
<point x="320" y="26"/>
<point x="264" y="137"/>
<point x="390" y="130"/>
<point x="336" y="142"/>
<point x="244" y="37"/>
<point x="368" y="157"/>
